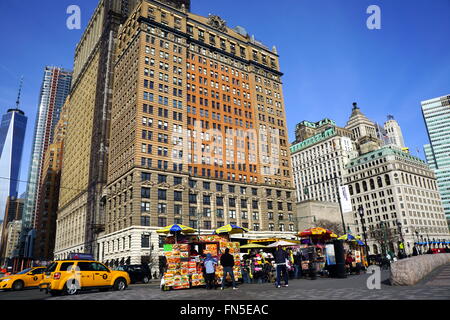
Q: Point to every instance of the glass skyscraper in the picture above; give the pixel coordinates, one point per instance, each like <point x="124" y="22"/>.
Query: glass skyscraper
<point x="12" y="135"/>
<point x="436" y="113"/>
<point x="54" y="91"/>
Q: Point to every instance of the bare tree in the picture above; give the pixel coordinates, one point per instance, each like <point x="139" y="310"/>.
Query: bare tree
<point x="384" y="237"/>
<point x="336" y="227"/>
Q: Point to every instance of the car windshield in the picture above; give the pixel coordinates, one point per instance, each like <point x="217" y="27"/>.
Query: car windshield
<point x="51" y="267"/>
<point x="24" y="271"/>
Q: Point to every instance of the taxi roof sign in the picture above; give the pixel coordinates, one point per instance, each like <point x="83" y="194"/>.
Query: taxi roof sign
<point x="80" y="256"/>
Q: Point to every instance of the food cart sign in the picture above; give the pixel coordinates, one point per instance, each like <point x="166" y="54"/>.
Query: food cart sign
<point x="358" y="256"/>
<point x="331" y="257"/>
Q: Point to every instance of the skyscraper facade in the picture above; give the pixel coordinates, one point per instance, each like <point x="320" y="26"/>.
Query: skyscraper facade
<point x="394" y="132"/>
<point x="436" y="113"/>
<point x="85" y="158"/>
<point x="54" y="90"/>
<point x="12" y="136"/>
<point x="198" y="133"/>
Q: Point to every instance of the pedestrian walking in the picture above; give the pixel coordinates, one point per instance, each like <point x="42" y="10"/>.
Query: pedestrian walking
<point x="227" y="262"/>
<point x="281" y="258"/>
<point x="210" y="271"/>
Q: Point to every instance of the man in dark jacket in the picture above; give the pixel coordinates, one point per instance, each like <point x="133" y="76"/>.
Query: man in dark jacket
<point x="280" y="261"/>
<point x="298" y="264"/>
<point x="227" y="262"/>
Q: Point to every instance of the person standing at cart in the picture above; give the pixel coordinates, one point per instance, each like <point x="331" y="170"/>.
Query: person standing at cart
<point x="227" y="262"/>
<point x="280" y="260"/>
<point x="210" y="271"/>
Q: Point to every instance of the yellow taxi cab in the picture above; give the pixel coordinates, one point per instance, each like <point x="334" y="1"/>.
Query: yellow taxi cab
<point x="71" y="276"/>
<point x="27" y="278"/>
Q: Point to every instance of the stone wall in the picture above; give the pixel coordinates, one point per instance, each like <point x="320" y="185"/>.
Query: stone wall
<point x="408" y="272"/>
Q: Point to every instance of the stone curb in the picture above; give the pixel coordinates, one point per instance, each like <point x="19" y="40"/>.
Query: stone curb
<point x="408" y="272"/>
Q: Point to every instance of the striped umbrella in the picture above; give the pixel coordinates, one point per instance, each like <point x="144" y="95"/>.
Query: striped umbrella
<point x="231" y="229"/>
<point x="176" y="228"/>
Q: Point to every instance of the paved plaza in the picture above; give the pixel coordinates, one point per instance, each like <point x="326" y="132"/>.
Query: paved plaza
<point x="435" y="286"/>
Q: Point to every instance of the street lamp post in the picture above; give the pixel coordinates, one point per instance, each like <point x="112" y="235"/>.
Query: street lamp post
<point x="306" y="192"/>
<point x="361" y="214"/>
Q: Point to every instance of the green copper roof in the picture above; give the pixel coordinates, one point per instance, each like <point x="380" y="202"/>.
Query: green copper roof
<point x="380" y="153"/>
<point x="313" y="140"/>
<point x="318" y="124"/>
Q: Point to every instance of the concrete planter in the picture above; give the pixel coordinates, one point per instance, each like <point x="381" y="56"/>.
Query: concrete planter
<point x="408" y="272"/>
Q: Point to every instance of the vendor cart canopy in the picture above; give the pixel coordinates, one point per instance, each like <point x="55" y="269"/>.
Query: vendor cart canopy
<point x="252" y="246"/>
<point x="231" y="229"/>
<point x="317" y="232"/>
<point x="281" y="243"/>
<point x="176" y="228"/>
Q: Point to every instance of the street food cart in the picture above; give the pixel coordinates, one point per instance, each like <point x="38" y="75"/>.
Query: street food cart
<point x="185" y="255"/>
<point x="314" y="249"/>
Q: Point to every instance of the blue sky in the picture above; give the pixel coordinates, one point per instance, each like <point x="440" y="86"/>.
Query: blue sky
<point x="329" y="57"/>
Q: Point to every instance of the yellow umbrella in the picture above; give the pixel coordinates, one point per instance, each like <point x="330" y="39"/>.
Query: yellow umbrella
<point x="252" y="246"/>
<point x="231" y="229"/>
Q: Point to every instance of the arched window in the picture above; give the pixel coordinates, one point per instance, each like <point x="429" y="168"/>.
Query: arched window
<point x="372" y="184"/>
<point x="350" y="189"/>
<point x="380" y="182"/>
<point x="358" y="190"/>
<point x="364" y="184"/>
<point x="387" y="179"/>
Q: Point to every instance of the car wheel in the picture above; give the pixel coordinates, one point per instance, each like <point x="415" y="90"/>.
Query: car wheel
<point x="71" y="287"/>
<point x="120" y="285"/>
<point x="17" y="285"/>
<point x="145" y="280"/>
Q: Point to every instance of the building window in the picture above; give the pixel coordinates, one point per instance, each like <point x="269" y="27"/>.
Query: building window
<point x="145" y="206"/>
<point x="178" y="209"/>
<point x="145" y="193"/>
<point x="162" y="194"/>
<point x="145" y="241"/>
<point x="162" y="222"/>
<point x="177" y="180"/>
<point x="162" y="208"/>
<point x="145" y="221"/>
<point x="256" y="227"/>
<point x="178" y="196"/>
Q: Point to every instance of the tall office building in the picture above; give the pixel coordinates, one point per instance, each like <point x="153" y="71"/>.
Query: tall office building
<point x="50" y="186"/>
<point x="394" y="132"/>
<point x="12" y="136"/>
<point x="13" y="212"/>
<point x="198" y="134"/>
<point x="319" y="154"/>
<point x="85" y="159"/>
<point x="54" y="90"/>
<point x="399" y="197"/>
<point x="436" y="113"/>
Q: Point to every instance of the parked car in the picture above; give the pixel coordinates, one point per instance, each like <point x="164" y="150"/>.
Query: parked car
<point x="138" y="273"/>
<point x="26" y="278"/>
<point x="70" y="276"/>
